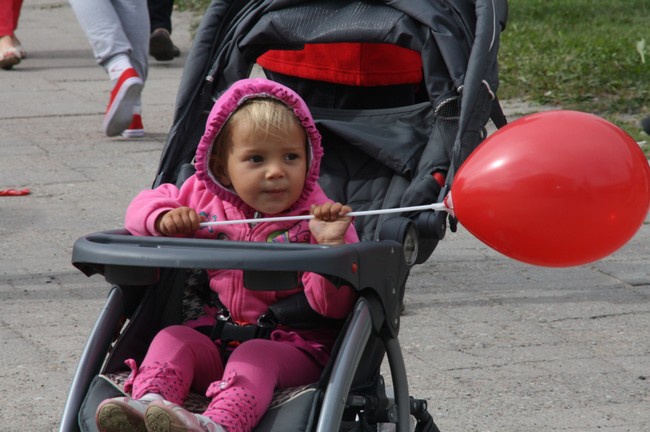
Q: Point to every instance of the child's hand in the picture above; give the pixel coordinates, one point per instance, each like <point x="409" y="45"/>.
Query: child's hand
<point x="330" y="223"/>
<point x="182" y="220"/>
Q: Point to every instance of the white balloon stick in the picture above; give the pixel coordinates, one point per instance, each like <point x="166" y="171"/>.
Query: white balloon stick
<point x="435" y="206"/>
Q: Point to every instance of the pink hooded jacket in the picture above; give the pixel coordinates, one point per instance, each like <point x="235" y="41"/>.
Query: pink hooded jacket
<point x="214" y="202"/>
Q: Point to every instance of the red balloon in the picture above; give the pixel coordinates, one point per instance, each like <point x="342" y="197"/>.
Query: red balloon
<point x="556" y="188"/>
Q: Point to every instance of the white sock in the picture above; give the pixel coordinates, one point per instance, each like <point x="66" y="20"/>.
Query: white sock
<point x="137" y="107"/>
<point x="116" y="65"/>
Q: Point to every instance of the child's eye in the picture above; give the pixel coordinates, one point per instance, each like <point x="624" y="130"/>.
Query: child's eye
<point x="256" y="159"/>
<point x="292" y="156"/>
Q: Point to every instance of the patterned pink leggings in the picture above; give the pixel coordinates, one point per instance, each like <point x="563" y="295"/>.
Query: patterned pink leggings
<point x="180" y="358"/>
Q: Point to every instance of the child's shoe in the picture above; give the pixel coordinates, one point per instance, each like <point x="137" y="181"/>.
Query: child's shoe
<point x="135" y="129"/>
<point x="164" y="416"/>
<point x="121" y="414"/>
<point x="124" y="96"/>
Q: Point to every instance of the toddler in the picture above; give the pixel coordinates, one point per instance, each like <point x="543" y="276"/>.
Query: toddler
<point x="259" y="156"/>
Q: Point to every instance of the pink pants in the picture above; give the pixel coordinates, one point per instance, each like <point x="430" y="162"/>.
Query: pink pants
<point x="9" y="13"/>
<point x="180" y="358"/>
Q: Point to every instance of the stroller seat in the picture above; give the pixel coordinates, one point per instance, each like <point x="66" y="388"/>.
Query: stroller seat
<point x="289" y="400"/>
<point x="288" y="406"/>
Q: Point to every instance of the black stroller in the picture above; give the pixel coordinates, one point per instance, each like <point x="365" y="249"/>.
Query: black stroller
<point x="389" y="155"/>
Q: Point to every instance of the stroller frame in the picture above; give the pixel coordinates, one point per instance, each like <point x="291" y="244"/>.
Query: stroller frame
<point x="458" y="40"/>
<point x="130" y="261"/>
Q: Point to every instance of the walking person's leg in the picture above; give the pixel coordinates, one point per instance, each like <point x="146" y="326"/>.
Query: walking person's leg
<point x="113" y="30"/>
<point x="11" y="51"/>
<point x="161" y="46"/>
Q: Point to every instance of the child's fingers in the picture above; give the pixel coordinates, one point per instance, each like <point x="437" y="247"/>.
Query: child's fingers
<point x="329" y="212"/>
<point x="195" y="220"/>
<point x="345" y="210"/>
<point x="335" y="211"/>
<point x="316" y="211"/>
<point x="182" y="220"/>
<point x="176" y="224"/>
<point x="323" y="212"/>
<point x="189" y="220"/>
<point x="168" y="225"/>
<point x="326" y="211"/>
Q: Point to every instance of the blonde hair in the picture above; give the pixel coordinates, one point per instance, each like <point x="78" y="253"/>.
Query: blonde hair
<point x="267" y="117"/>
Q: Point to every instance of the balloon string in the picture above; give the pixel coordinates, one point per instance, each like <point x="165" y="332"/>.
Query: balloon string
<point x="435" y="206"/>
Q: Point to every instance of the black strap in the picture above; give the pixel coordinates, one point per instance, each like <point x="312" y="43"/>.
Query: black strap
<point x="293" y="311"/>
<point x="229" y="332"/>
<point x="497" y="115"/>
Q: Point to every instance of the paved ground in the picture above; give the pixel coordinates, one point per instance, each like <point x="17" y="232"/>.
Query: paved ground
<point x="493" y="344"/>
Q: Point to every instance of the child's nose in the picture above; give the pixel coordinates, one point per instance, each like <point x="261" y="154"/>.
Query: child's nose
<point x="275" y="170"/>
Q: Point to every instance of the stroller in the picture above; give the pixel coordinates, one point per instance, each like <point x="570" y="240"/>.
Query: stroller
<point x="389" y="155"/>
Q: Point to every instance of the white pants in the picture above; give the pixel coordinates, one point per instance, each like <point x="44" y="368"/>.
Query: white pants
<point x="116" y="27"/>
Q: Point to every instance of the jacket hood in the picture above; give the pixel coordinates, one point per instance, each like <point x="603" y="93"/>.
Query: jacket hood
<point x="224" y="107"/>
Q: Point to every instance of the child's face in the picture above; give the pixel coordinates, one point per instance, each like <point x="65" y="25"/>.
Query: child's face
<point x="268" y="174"/>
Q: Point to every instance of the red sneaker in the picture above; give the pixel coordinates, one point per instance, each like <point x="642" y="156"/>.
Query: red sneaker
<point x="135" y="129"/>
<point x="124" y="96"/>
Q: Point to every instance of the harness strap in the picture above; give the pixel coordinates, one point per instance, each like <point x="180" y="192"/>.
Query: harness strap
<point x="228" y="332"/>
<point x="293" y="311"/>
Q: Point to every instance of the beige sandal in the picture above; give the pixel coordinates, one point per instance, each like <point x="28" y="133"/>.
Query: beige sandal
<point x="19" y="47"/>
<point x="9" y="58"/>
<point x="12" y="52"/>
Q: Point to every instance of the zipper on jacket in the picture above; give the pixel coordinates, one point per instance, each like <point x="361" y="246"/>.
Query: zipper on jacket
<point x="252" y="226"/>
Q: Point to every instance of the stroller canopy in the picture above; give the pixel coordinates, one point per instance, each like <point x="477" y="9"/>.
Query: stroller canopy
<point x="458" y="41"/>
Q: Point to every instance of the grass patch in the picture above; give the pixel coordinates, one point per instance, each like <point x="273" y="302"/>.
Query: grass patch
<point x="587" y="55"/>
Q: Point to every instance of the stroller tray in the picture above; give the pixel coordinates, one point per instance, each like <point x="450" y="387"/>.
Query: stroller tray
<point x="125" y="259"/>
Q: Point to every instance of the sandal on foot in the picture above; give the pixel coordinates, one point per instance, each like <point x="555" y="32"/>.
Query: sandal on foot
<point x="19" y="47"/>
<point x="9" y="58"/>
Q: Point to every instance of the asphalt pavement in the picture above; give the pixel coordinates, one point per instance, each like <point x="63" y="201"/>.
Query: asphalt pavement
<point x="493" y="344"/>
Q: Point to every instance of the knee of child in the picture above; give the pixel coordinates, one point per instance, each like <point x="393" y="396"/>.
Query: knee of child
<point x="254" y="347"/>
<point x="260" y="352"/>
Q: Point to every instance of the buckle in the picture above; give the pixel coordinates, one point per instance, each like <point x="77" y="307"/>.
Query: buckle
<point x="227" y="331"/>
<point x="234" y="332"/>
<point x="268" y="320"/>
